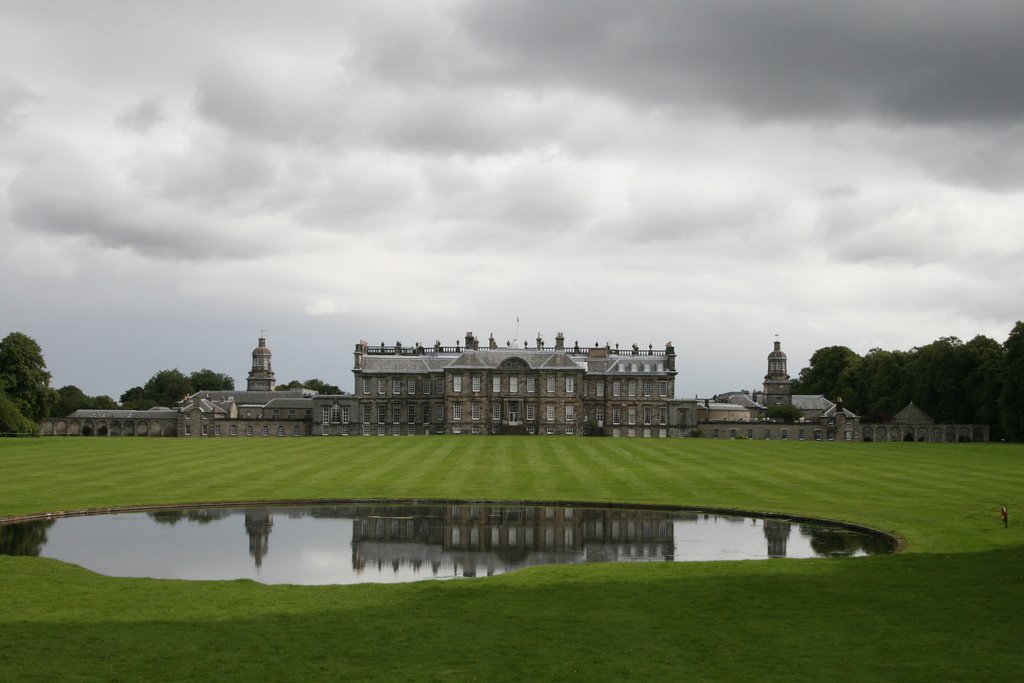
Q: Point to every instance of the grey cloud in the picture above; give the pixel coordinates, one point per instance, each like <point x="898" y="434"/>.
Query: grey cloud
<point x="66" y="198"/>
<point x="16" y="99"/>
<point x="142" y="116"/>
<point x="943" y="62"/>
<point x="297" y="111"/>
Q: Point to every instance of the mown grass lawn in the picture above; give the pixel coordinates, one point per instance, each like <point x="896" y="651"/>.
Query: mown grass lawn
<point x="948" y="607"/>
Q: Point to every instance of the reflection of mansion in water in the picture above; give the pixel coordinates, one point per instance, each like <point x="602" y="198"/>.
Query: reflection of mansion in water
<point x="478" y="540"/>
<point x="484" y="539"/>
<point x="473" y="388"/>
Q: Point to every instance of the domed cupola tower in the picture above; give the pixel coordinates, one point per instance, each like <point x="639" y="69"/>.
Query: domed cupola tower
<point x="261" y="378"/>
<point x="778" y="388"/>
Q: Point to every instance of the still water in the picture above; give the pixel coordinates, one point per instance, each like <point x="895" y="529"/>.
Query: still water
<point x="391" y="543"/>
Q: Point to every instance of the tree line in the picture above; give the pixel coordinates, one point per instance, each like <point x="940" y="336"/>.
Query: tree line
<point x="26" y="396"/>
<point x="976" y="382"/>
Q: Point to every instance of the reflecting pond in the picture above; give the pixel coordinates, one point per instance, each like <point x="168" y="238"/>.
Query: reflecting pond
<point x="390" y="543"/>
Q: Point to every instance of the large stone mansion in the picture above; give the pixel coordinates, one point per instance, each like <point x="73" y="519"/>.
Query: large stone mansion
<point x="470" y="388"/>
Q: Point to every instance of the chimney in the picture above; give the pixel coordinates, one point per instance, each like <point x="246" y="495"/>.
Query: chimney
<point x="560" y="341"/>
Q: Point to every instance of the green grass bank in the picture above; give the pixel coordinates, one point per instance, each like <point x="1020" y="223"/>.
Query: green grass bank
<point x="948" y="607"/>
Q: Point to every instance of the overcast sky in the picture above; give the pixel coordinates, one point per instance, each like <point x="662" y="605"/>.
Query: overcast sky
<point x="177" y="176"/>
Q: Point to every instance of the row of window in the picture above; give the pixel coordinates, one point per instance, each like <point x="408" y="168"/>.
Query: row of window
<point x="413" y="414"/>
<point x="512" y="386"/>
<point x="783" y="434"/>
<point x="249" y="430"/>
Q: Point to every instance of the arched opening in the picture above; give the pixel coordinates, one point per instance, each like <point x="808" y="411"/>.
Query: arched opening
<point x="87" y="430"/>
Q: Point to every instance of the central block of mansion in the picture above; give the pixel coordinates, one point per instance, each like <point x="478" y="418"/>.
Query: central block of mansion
<point x="474" y="389"/>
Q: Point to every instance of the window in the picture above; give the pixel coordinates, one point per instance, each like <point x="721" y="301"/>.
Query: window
<point x="307" y="414"/>
<point x="426" y="386"/>
<point x="663" y="388"/>
<point x="382" y="414"/>
<point x="599" y="414"/>
<point x="426" y="414"/>
<point x="531" y="412"/>
<point x="632" y="387"/>
<point x="648" y="387"/>
<point x="513" y="385"/>
<point x="662" y="415"/>
<point x="475" y="380"/>
<point x="344" y="415"/>
<point x="265" y="431"/>
<point x="291" y="413"/>
<point x="616" y="415"/>
<point x="188" y="429"/>
<point x="570" y="384"/>
<point x="439" y="413"/>
<point x="276" y="414"/>
<point x="570" y="429"/>
<point x="785" y="434"/>
<point x="600" y="388"/>
<point x="456" y="411"/>
<point x="396" y="414"/>
<point x="550" y="412"/>
<point x="616" y="388"/>
<point x="234" y="430"/>
<point x="496" y="412"/>
<point x="439" y="387"/>
<point x="496" y="384"/>
<point x="474" y="410"/>
<point x="366" y="413"/>
<point x="457" y="383"/>
<point x="325" y="414"/>
<point x="396" y="386"/>
<point x="366" y="386"/>
<point x="551" y="385"/>
<point x="647" y="415"/>
<point x="632" y="415"/>
<point x="295" y="430"/>
<point x="531" y="385"/>
<point x="570" y="413"/>
<point x="412" y="414"/>
<point x="750" y="433"/>
<point x="412" y="387"/>
<point x="248" y="430"/>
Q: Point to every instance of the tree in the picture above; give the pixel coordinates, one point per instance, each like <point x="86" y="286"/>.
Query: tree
<point x="983" y="384"/>
<point x="24" y="376"/>
<point x="319" y="386"/>
<point x="825" y="372"/>
<point x="70" y="398"/>
<point x="167" y="387"/>
<point x="136" y="399"/>
<point x="785" y="412"/>
<point x="874" y="385"/>
<point x="208" y="380"/>
<point x="12" y="421"/>
<point x="1011" y="398"/>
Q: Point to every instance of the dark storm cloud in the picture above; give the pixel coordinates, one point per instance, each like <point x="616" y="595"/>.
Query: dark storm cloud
<point x="928" y="62"/>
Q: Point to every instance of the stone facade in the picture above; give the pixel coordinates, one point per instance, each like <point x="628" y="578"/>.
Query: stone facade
<point x="515" y="389"/>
